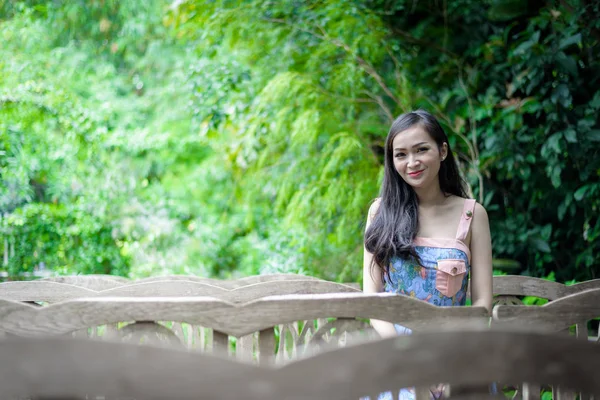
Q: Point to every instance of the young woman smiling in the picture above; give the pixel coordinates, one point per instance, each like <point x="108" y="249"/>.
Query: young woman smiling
<point x="424" y="238"/>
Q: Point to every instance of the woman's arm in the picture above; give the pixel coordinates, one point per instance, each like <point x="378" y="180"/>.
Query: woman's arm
<point x="481" y="259"/>
<point x="372" y="282"/>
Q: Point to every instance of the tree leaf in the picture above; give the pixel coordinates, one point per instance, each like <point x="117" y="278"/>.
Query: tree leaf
<point x="540" y="245"/>
<point x="595" y="103"/>
<point x="594" y="135"/>
<point x="504" y="10"/>
<point x="579" y="193"/>
<point x="570" y="135"/>
<point x="569" y="41"/>
<point x="567" y="63"/>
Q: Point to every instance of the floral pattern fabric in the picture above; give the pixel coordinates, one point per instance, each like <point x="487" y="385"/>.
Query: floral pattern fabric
<point x="408" y="278"/>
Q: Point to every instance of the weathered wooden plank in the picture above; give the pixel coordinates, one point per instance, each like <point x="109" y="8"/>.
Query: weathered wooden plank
<point x="167" y="278"/>
<point x="94" y="282"/>
<point x="74" y="369"/>
<point x="554" y="316"/>
<point x="241" y="294"/>
<point x="203" y="334"/>
<point x="230" y="284"/>
<point x="43" y="290"/>
<point x="232" y="319"/>
<point x="531" y="391"/>
<point x="266" y="346"/>
<point x="145" y="332"/>
<point x="518" y="285"/>
<point x="583" y="286"/>
<point x="55" y="292"/>
<point x="220" y="342"/>
<point x="510" y="357"/>
<point x="244" y="349"/>
<point x="281" y="355"/>
<point x="70" y="368"/>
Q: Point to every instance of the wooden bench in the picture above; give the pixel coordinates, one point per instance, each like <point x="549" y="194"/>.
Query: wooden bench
<point x="59" y="368"/>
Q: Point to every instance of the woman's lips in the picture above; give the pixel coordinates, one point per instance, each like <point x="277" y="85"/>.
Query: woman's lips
<point x="416" y="173"/>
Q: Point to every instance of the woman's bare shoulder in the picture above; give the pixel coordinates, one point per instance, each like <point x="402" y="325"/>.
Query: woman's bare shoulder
<point x="374" y="207"/>
<point x="480" y="214"/>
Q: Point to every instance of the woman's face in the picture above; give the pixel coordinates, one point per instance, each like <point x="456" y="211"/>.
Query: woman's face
<point x="417" y="157"/>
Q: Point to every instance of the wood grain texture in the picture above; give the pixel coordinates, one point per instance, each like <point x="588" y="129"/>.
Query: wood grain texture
<point x="562" y="311"/>
<point x="554" y="316"/>
<point x="518" y="285"/>
<point x="43" y="290"/>
<point x="233" y="283"/>
<point x="240" y="294"/>
<point x="70" y="368"/>
<point x="233" y="319"/>
<point x="94" y="282"/>
<point x="147" y="332"/>
<point x="511" y="356"/>
<point x="101" y="282"/>
<point x="53" y="292"/>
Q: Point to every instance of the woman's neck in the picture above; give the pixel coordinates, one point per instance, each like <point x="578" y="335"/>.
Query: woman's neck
<point x="430" y="197"/>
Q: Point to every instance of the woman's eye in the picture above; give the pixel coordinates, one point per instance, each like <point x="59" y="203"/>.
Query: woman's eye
<point x="422" y="149"/>
<point x="398" y="155"/>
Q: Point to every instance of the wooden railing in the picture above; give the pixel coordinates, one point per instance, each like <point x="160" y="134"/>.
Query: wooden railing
<point x="508" y="288"/>
<point x="232" y="291"/>
<point x="574" y="310"/>
<point x="59" y="368"/>
<point x="272" y="318"/>
<point x="569" y="314"/>
<point x="299" y="321"/>
<point x="503" y="286"/>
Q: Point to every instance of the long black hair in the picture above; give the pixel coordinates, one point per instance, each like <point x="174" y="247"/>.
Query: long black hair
<point x="395" y="226"/>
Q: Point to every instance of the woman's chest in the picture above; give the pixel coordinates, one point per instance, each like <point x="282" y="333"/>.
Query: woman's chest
<point x="438" y="224"/>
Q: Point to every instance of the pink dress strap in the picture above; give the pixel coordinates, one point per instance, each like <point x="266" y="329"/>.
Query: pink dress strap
<point x="465" y="220"/>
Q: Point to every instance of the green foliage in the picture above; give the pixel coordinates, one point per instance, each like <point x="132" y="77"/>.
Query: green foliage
<point x="70" y="129"/>
<point x="52" y="235"/>
<point x="322" y="80"/>
<point x="229" y="138"/>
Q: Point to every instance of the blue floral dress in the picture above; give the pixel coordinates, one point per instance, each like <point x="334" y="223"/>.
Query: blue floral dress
<point x="441" y="279"/>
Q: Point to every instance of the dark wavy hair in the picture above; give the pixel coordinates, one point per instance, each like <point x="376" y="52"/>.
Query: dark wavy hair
<point x="394" y="227"/>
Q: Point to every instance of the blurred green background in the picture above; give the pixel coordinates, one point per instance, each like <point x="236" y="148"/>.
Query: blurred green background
<point x="229" y="138"/>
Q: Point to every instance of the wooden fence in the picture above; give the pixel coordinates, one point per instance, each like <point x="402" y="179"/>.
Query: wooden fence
<point x="59" y="368"/>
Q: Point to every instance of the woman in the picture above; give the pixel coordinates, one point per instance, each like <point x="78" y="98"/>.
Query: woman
<point x="423" y="237"/>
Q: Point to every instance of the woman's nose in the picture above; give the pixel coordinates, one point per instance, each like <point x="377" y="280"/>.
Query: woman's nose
<point x="413" y="161"/>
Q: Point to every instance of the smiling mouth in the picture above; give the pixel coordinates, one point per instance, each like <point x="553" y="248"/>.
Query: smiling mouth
<point x="416" y="173"/>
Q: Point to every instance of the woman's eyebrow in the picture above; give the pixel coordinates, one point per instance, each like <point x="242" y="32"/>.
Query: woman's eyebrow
<point x="416" y="145"/>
